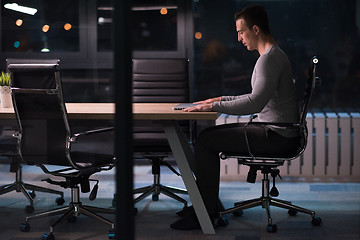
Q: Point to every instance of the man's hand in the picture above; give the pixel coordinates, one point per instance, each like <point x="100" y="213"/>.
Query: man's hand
<point x="205" y="107"/>
<point x="210" y="100"/>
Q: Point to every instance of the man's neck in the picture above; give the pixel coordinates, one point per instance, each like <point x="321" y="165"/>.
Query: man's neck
<point x="263" y="45"/>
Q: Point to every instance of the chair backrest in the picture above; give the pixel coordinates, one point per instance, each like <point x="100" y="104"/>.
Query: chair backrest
<point x="310" y="86"/>
<point x="160" y="80"/>
<point x="40" y="111"/>
<point x="29" y="60"/>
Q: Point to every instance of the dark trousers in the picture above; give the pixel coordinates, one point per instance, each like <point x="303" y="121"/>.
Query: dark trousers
<point x="231" y="138"/>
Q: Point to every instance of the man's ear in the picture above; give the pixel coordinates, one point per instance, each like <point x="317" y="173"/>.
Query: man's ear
<point x="256" y="29"/>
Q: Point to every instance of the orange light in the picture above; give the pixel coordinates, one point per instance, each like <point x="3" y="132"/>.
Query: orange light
<point x="163" y="11"/>
<point x="45" y="28"/>
<point x="67" y="26"/>
<point x="19" y="22"/>
<point x="198" y="35"/>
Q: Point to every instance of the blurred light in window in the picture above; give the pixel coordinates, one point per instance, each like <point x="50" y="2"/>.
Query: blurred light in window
<point x="163" y="11"/>
<point x="16" y="44"/>
<point x="45" y="28"/>
<point x="45" y="50"/>
<point x="102" y="20"/>
<point x="67" y="26"/>
<point x="198" y="35"/>
<point x="22" y="9"/>
<point x="19" y="22"/>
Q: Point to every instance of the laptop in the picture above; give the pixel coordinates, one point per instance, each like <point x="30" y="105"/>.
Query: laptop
<point x="182" y="106"/>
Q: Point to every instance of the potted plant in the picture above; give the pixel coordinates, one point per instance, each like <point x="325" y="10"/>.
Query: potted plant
<point x="5" y="90"/>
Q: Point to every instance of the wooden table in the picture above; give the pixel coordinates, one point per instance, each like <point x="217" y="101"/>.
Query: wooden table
<point x="168" y="118"/>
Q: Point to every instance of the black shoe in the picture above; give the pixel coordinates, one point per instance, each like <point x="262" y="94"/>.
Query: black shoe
<point x="186" y="211"/>
<point x="189" y="222"/>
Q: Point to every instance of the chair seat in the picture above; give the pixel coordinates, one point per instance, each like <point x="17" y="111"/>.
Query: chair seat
<point x="262" y="156"/>
<point x="150" y="142"/>
<point x="92" y="159"/>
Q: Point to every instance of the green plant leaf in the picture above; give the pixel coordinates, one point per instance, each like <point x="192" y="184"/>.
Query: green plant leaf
<point x="5" y="79"/>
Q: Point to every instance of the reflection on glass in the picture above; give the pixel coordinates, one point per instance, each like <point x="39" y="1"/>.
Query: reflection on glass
<point x="154" y="25"/>
<point x="39" y="26"/>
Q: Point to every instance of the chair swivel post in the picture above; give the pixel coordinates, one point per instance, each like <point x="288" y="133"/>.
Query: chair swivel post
<point x="156" y="188"/>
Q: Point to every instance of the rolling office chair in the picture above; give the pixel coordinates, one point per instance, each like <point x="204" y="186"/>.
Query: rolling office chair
<point x="45" y="138"/>
<point x="8" y="145"/>
<point x="158" y="80"/>
<point x="268" y="164"/>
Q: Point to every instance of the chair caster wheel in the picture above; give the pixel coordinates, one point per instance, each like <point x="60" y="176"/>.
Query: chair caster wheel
<point x="316" y="221"/>
<point x="222" y="222"/>
<point x="238" y="213"/>
<point x="155" y="197"/>
<point x="29" y="209"/>
<point x="24" y="227"/>
<point x="59" y="201"/>
<point x="32" y="194"/>
<point x="292" y="212"/>
<point x="48" y="236"/>
<point x="111" y="234"/>
<point x="271" y="228"/>
<point x="71" y="219"/>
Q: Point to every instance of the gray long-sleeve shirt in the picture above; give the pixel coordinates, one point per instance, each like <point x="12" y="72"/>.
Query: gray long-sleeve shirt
<point x="273" y="96"/>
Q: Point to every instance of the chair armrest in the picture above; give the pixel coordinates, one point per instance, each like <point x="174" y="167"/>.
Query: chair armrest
<point x="100" y="130"/>
<point x="279" y="124"/>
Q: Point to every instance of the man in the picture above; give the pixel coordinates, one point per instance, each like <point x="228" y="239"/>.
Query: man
<point x="272" y="98"/>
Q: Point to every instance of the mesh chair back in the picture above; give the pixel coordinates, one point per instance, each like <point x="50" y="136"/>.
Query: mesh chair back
<point x="310" y="86"/>
<point x="41" y="113"/>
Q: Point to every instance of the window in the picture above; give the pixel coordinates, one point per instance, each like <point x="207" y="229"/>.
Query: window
<point x="154" y="25"/>
<point x="40" y="26"/>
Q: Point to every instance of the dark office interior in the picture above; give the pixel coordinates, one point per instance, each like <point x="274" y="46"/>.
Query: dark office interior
<point x="85" y="37"/>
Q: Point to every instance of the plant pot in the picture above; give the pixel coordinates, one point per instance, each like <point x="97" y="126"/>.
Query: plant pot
<point x="5" y="97"/>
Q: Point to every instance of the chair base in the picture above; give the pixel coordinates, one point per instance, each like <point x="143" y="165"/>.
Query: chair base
<point x="156" y="189"/>
<point x="20" y="186"/>
<point x="266" y="201"/>
<point x="74" y="209"/>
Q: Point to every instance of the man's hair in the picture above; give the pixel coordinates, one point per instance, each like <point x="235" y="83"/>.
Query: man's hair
<point x="254" y="15"/>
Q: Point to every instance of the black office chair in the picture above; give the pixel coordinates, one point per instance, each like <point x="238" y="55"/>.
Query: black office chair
<point x="45" y="138"/>
<point x="8" y="149"/>
<point x="268" y="164"/>
<point x="155" y="81"/>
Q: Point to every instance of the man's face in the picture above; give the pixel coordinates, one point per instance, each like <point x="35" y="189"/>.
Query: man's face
<point x="245" y="35"/>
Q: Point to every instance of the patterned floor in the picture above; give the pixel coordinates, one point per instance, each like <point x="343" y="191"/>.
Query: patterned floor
<point x="336" y="202"/>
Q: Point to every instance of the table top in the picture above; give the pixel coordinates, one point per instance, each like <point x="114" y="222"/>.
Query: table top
<point x="141" y="111"/>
